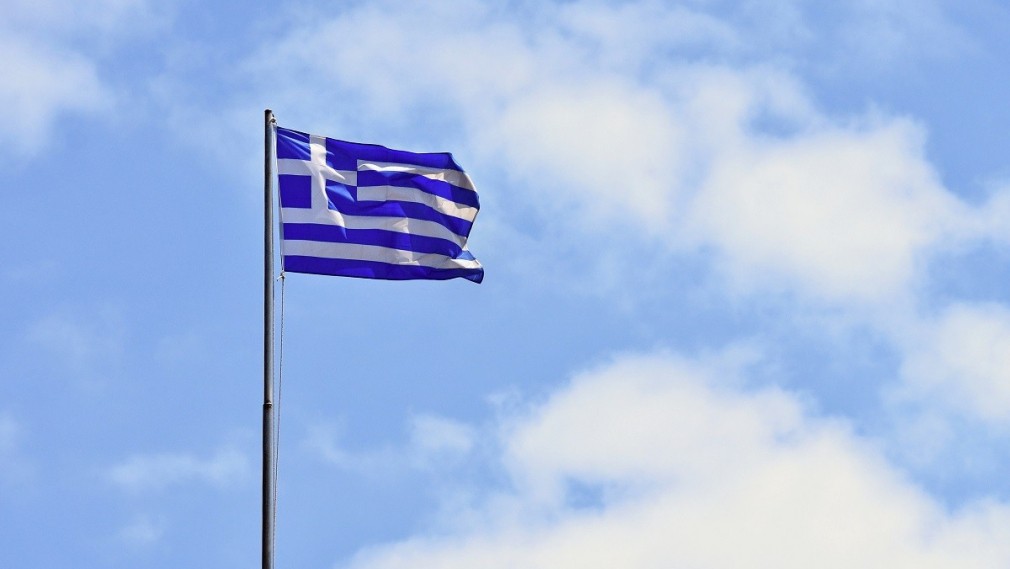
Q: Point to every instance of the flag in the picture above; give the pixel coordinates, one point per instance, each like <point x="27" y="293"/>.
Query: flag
<point x="367" y="211"/>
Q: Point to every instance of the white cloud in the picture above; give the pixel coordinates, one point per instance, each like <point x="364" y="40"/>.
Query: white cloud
<point x="53" y="52"/>
<point x="433" y="442"/>
<point x="79" y="17"/>
<point x="607" y="147"/>
<point x="961" y="361"/>
<point x="626" y="35"/>
<point x="9" y="433"/>
<point x="152" y="472"/>
<point x="323" y="441"/>
<point x="836" y="213"/>
<point x="433" y="435"/>
<point x="142" y="531"/>
<point x="879" y="34"/>
<point x="42" y="82"/>
<point x="83" y="343"/>
<point x="17" y="468"/>
<point x="694" y="472"/>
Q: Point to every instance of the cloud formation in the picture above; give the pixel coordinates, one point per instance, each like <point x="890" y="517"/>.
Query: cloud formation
<point x="53" y="54"/>
<point x="688" y="469"/>
<point x="40" y="84"/>
<point x="962" y="359"/>
<point x="83" y="343"/>
<point x="706" y="144"/>
<point x="434" y="442"/>
<point x="153" y="472"/>
<point x="604" y="128"/>
<point x="142" y="531"/>
<point x="701" y="144"/>
<point x="18" y="468"/>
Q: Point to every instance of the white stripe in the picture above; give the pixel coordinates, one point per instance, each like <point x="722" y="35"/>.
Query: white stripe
<point x="375" y="253"/>
<point x="454" y="177"/>
<point x="398" y="224"/>
<point x="397" y="193"/>
<point x="292" y="166"/>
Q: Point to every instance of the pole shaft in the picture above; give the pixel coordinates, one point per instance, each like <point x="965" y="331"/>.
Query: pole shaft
<point x="268" y="346"/>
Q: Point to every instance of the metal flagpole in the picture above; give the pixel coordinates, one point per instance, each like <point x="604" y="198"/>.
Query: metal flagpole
<point x="268" y="346"/>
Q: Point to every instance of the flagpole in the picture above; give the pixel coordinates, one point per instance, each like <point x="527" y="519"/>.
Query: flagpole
<point x="268" y="347"/>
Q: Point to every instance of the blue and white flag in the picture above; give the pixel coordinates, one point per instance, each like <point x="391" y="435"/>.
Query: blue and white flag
<point x="362" y="210"/>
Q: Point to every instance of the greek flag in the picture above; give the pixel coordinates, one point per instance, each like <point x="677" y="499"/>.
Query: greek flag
<point x="362" y="210"/>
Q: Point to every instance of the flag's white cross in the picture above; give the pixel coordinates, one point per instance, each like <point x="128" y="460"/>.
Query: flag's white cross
<point x="320" y="171"/>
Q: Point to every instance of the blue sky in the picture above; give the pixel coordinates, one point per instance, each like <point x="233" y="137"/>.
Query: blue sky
<point x="745" y="301"/>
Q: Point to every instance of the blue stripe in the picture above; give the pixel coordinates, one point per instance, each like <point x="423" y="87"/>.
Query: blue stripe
<point x="341" y="193"/>
<point x="378" y="237"/>
<point x="344" y="155"/>
<point x="427" y="185"/>
<point x="375" y="270"/>
<point x="340" y="199"/>
<point x="293" y="144"/>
